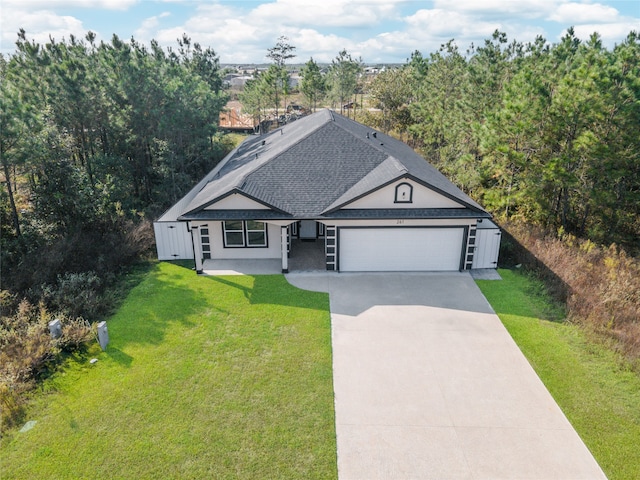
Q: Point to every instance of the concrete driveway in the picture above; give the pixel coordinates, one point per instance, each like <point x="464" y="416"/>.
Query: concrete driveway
<point x="429" y="385"/>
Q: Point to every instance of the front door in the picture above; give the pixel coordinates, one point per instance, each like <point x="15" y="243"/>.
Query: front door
<point x="308" y="230"/>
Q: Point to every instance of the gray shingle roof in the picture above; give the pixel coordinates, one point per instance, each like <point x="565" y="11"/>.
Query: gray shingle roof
<point x="236" y="215"/>
<point x="310" y="167"/>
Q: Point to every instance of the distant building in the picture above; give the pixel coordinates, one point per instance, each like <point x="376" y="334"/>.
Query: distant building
<point x="232" y="119"/>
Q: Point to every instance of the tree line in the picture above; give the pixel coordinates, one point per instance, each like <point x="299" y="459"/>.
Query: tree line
<point x="94" y="137"/>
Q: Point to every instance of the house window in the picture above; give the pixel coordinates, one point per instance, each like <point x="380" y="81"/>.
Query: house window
<point x="404" y="193"/>
<point x="244" y="234"/>
<point x="233" y="234"/>
<point x="256" y="233"/>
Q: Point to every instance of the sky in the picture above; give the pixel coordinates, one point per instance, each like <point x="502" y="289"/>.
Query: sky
<point x="377" y="31"/>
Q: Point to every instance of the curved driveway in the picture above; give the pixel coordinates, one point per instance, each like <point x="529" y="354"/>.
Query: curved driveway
<point x="429" y="385"/>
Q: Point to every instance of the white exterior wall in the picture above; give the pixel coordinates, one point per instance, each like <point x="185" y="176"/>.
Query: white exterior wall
<point x="236" y="201"/>
<point x="273" y="250"/>
<point x="173" y="241"/>
<point x="487" y="246"/>
<point x="423" y="197"/>
<point x="462" y="222"/>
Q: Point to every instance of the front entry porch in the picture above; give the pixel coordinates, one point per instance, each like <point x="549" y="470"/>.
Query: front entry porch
<point x="305" y="256"/>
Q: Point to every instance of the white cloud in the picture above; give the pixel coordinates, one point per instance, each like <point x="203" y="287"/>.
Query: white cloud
<point x="50" y="5"/>
<point x="39" y="25"/>
<point x="576" y="13"/>
<point x="241" y="36"/>
<point x="611" y="33"/>
<point x="438" y="23"/>
<point x="501" y="8"/>
<point x="145" y="33"/>
<point x="322" y="47"/>
<point x="40" y="21"/>
<point x="327" y="13"/>
<point x="241" y="31"/>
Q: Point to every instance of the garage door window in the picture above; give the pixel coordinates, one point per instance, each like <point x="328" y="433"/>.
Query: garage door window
<point x="238" y="234"/>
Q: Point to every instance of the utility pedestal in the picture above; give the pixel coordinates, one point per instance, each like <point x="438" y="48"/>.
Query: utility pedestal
<point x="103" y="335"/>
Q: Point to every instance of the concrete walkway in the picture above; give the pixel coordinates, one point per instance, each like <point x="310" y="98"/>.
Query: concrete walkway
<point x="429" y="385"/>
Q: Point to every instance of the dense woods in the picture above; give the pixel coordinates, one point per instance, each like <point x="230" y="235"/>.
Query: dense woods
<point x="94" y="138"/>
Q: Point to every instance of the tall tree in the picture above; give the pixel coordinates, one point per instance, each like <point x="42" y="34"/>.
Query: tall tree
<point x="137" y="122"/>
<point x="313" y="85"/>
<point x="344" y="72"/>
<point x="392" y="92"/>
<point x="253" y="100"/>
<point x="277" y="77"/>
<point x="442" y="113"/>
<point x="281" y="52"/>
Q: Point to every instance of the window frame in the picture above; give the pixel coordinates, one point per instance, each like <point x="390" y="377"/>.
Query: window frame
<point x="245" y="231"/>
<point x="248" y="243"/>
<point x="400" y="186"/>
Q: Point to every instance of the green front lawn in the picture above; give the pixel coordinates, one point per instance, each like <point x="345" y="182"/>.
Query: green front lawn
<point x="205" y="377"/>
<point x="599" y="396"/>
<point x="230" y="377"/>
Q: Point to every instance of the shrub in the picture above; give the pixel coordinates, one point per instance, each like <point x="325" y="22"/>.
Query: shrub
<point x="27" y="352"/>
<point x="75" y="294"/>
<point x="25" y="346"/>
<point x="12" y="411"/>
<point x="600" y="285"/>
<point x="76" y="334"/>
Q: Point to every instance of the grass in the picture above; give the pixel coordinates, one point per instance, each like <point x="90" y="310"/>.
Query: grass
<point x="230" y="377"/>
<point x="226" y="377"/>
<point x="597" y="393"/>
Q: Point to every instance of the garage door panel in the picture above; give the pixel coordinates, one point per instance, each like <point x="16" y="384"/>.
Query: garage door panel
<point x="400" y="249"/>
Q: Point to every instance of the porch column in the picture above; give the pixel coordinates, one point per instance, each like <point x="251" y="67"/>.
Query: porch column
<point x="197" y="247"/>
<point x="284" y="239"/>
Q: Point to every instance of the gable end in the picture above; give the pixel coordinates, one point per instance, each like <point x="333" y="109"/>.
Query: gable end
<point x="417" y="194"/>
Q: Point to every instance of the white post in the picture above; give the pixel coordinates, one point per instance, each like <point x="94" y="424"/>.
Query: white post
<point x="197" y="247"/>
<point x="283" y="248"/>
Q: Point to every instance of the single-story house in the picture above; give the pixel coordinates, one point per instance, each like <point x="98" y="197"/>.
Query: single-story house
<point x="368" y="200"/>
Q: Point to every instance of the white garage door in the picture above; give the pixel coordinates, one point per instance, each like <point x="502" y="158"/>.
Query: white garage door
<point x="400" y="249"/>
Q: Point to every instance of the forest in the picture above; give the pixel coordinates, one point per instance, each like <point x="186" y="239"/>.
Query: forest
<point x="96" y="139"/>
